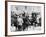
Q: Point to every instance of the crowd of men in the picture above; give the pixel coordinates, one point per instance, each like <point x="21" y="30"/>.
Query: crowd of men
<point x="23" y="21"/>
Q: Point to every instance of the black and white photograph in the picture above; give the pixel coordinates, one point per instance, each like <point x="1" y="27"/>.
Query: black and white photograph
<point x="25" y="18"/>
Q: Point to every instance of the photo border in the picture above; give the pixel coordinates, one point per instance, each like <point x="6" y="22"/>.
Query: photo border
<point x="7" y="17"/>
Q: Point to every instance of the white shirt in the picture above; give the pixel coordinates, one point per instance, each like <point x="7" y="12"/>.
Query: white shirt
<point x="38" y="19"/>
<point x="20" y="20"/>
